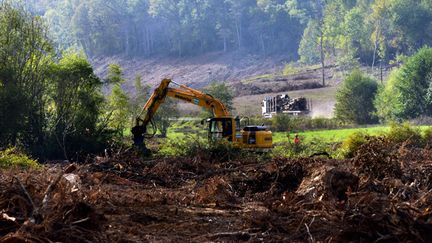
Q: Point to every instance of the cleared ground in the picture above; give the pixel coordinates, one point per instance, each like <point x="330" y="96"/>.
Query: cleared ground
<point x="382" y="194"/>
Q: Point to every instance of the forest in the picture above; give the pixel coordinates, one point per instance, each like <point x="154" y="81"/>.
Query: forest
<point x="342" y="31"/>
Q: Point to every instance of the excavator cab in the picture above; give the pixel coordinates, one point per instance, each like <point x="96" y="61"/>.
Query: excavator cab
<point x="252" y="137"/>
<point x="223" y="128"/>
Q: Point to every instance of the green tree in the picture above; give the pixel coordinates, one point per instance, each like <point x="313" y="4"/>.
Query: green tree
<point x="164" y="115"/>
<point x="312" y="10"/>
<point x="118" y="101"/>
<point x="407" y="93"/>
<point x="309" y="46"/>
<point x="142" y="93"/>
<point x="25" y="53"/>
<point x="354" y="100"/>
<point x="222" y="92"/>
<point x="115" y="75"/>
<point x="74" y="105"/>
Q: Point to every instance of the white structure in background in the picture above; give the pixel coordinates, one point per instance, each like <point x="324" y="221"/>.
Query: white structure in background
<point x="284" y="104"/>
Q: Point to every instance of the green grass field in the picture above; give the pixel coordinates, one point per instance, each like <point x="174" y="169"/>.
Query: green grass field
<point x="308" y="136"/>
<point x="332" y="135"/>
<point x="327" y="135"/>
<point x="322" y="135"/>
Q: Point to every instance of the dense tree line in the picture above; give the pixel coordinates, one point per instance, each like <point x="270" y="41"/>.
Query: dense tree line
<point x="173" y="27"/>
<point x="369" y="31"/>
<point x="406" y="95"/>
<point x="52" y="104"/>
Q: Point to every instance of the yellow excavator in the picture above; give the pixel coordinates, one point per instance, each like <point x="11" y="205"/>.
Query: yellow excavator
<point x="221" y="126"/>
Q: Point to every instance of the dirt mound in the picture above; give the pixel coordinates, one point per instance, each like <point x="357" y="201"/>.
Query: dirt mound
<point x="383" y="194"/>
<point x="40" y="206"/>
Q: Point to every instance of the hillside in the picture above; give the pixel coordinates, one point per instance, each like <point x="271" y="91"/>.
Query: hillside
<point x="196" y="72"/>
<point x="252" y="78"/>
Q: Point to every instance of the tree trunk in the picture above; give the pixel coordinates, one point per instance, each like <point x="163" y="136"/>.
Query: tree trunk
<point x="147" y="48"/>
<point x="376" y="45"/>
<point x="374" y="53"/>
<point x="225" y="44"/>
<point x="322" y="58"/>
<point x="262" y="45"/>
<point x="238" y="30"/>
<point x="127" y="44"/>
<point x="179" y="48"/>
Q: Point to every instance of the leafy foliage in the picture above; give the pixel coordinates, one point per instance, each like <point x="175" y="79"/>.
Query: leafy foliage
<point x="408" y="93"/>
<point x="118" y="107"/>
<point x="50" y="105"/>
<point x="351" y="144"/>
<point x="12" y="157"/>
<point x="282" y="122"/>
<point x="197" y="146"/>
<point x="23" y="68"/>
<point x="369" y="31"/>
<point x="404" y="132"/>
<point x="74" y="103"/>
<point x="167" y="111"/>
<point x="222" y="92"/>
<point x="354" y="100"/>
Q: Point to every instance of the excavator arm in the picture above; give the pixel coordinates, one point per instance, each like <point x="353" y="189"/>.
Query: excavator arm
<point x="182" y="93"/>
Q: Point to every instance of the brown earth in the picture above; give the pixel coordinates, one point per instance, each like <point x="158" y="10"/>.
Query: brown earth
<point x="381" y="195"/>
<point x="196" y="72"/>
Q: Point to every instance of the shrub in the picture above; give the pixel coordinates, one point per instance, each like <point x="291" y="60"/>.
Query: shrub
<point x="427" y="135"/>
<point x="408" y="91"/>
<point x="12" y="157"/>
<point x="404" y="132"/>
<point x="282" y="123"/>
<point x="289" y="69"/>
<point x="351" y="144"/>
<point x="354" y="100"/>
<point x="311" y="147"/>
<point x="196" y="146"/>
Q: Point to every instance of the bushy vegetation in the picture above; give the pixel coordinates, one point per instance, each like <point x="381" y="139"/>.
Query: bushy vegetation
<point x="354" y="99"/>
<point x="404" y="132"/>
<point x="305" y="149"/>
<point x="198" y="146"/>
<point x="51" y="104"/>
<point x="12" y="157"/>
<point x="222" y="92"/>
<point x="408" y="91"/>
<point x="351" y="144"/>
<point x="285" y="123"/>
<point x="398" y="133"/>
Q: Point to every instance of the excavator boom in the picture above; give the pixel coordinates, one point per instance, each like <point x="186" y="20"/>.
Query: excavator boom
<point x="182" y="93"/>
<point x="221" y="126"/>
